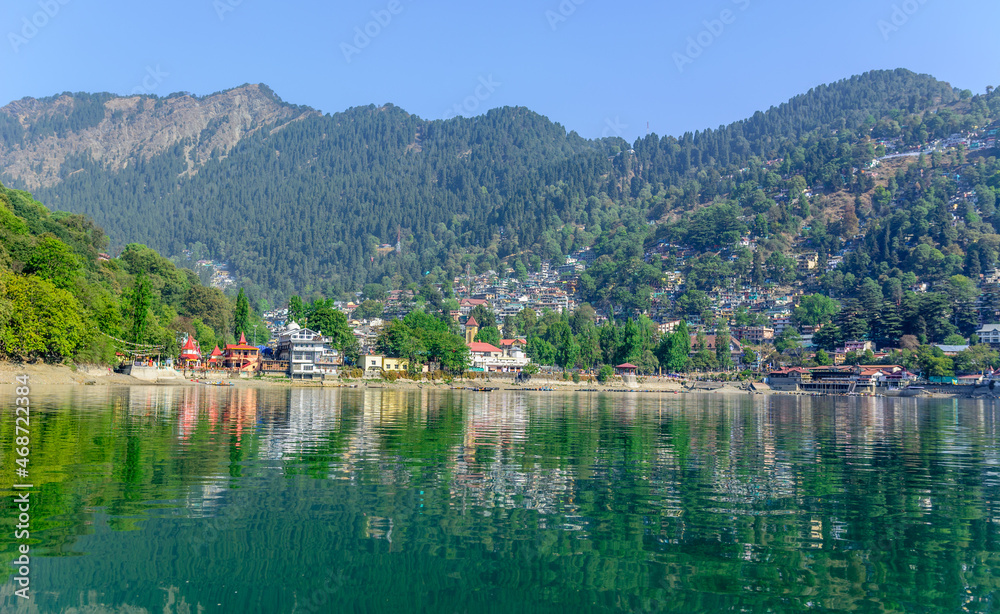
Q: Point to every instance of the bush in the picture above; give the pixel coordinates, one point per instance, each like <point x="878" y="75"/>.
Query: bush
<point x="605" y="374"/>
<point x="576" y="378"/>
<point x="351" y="373"/>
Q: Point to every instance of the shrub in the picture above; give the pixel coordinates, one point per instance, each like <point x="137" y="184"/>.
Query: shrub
<point x="576" y="378"/>
<point x="605" y="374"/>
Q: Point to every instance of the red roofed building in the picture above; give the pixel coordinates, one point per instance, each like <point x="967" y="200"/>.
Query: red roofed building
<point x="626" y="369"/>
<point x="189" y="353"/>
<point x="489" y="358"/>
<point x="241" y="356"/>
<point x="215" y="360"/>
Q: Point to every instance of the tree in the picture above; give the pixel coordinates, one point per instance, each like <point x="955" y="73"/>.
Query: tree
<point x="704" y="359"/>
<point x="488" y="334"/>
<point x="331" y="322"/>
<point x="823" y="359"/>
<point x="373" y="292"/>
<point x="139" y="301"/>
<point x="605" y="374"/>
<point x="976" y="359"/>
<point x="827" y="337"/>
<point x="484" y="316"/>
<point x="815" y="309"/>
<point x="723" y="356"/>
<point x="296" y="310"/>
<point x="674" y="349"/>
<point x="788" y="341"/>
<point x="241" y="315"/>
<point x="53" y="260"/>
<point x="38" y="320"/>
<point x="368" y="310"/>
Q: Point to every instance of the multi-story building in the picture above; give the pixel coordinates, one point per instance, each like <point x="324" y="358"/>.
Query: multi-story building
<point x="989" y="333"/>
<point x="307" y="353"/>
<point x="755" y="335"/>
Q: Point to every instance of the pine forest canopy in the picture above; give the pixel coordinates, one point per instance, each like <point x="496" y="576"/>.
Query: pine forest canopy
<point x="301" y="202"/>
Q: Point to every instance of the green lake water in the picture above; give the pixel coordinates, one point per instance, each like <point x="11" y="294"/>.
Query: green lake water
<point x="176" y="500"/>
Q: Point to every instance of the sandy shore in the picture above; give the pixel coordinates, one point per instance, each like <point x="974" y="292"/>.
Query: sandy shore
<point x="92" y="375"/>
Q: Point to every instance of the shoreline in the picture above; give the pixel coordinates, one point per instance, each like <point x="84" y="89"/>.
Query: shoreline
<point x="94" y="375"/>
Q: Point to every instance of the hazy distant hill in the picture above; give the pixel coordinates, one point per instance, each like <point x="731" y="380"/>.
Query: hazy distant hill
<point x="297" y="201"/>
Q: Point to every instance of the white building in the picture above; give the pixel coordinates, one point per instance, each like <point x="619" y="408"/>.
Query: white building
<point x="307" y="352"/>
<point x="989" y="333"/>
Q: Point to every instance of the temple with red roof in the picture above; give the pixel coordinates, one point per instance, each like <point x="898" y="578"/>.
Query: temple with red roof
<point x="215" y="360"/>
<point x="190" y="355"/>
<point x="241" y="356"/>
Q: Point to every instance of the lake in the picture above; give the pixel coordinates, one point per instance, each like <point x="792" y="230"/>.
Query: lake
<point x="201" y="499"/>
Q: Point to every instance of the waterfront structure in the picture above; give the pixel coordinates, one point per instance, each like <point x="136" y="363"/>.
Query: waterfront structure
<point x="306" y="353"/>
<point x="190" y="355"/>
<point x="491" y="359"/>
<point x="241" y="356"/>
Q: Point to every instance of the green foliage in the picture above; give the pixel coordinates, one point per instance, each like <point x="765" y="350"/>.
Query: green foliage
<point x="38" y="321"/>
<point x="605" y="374"/>
<point x="815" y="309"/>
<point x="489" y="334"/>
<point x="241" y="316"/>
<point x="138" y="302"/>
<point x="421" y="338"/>
<point x="368" y="310"/>
<point x="54" y="261"/>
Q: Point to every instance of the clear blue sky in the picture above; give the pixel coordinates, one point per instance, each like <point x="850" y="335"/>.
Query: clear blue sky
<point x="595" y="66"/>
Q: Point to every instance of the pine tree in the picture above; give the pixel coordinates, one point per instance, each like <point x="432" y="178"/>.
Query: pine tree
<point x="241" y="317"/>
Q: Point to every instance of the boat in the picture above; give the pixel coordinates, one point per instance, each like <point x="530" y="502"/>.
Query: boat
<point x="217" y="383"/>
<point x="912" y="391"/>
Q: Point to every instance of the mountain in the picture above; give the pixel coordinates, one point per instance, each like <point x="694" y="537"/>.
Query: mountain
<point x="300" y="202"/>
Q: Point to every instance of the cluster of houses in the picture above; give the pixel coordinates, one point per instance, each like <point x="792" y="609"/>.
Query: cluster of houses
<point x="300" y="353"/>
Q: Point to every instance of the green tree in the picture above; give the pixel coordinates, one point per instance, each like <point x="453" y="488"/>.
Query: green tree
<point x="296" y="310"/>
<point x="488" y="334"/>
<point x="484" y="316"/>
<point x="53" y="260"/>
<point x="822" y="358"/>
<point x="368" y="310"/>
<point x="815" y="309"/>
<point x="139" y="300"/>
<point x="241" y="315"/>
<point x="723" y="356"/>
<point x="38" y="320"/>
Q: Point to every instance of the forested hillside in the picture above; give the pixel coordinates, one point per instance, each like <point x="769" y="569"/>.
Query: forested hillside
<point x="301" y="207"/>
<point x="62" y="298"/>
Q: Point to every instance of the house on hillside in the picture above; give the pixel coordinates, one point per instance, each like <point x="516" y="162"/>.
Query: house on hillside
<point x="735" y="347"/>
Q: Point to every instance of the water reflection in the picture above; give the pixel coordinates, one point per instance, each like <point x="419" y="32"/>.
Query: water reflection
<point x="231" y="499"/>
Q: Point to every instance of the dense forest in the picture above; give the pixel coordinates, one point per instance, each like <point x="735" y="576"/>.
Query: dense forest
<point x="303" y="209"/>
<point x="63" y="299"/>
